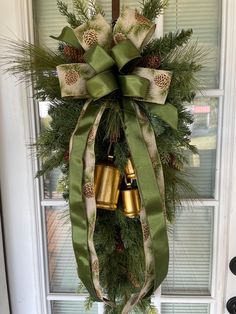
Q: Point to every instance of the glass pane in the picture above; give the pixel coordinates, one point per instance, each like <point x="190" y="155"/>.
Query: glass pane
<point x="62" y="265"/>
<point x="49" y="21"/>
<point x="191" y="242"/>
<point x="202" y="167"/>
<point x="204" y="17"/>
<point x="51" y="180"/>
<point x="169" y="308"/>
<point x="72" y="307"/>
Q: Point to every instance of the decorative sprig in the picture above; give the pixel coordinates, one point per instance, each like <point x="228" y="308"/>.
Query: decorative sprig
<point x="86" y="9"/>
<point x="71" y="18"/>
<point x="151" y="9"/>
<point x="164" y="45"/>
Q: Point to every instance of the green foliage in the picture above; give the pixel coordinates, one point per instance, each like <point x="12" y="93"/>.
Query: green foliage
<point x="86" y="9"/>
<point x="71" y="18"/>
<point x="164" y="45"/>
<point x="151" y="9"/>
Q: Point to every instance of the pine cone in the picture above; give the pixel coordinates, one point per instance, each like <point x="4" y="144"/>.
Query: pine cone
<point x="91" y="136"/>
<point x="95" y="267"/>
<point x="119" y="37"/>
<point x="176" y="164"/>
<point x="152" y="62"/>
<point x="162" y="80"/>
<point x="90" y="37"/>
<point x="88" y="190"/>
<point x="71" y="77"/>
<point x="133" y="280"/>
<point x="74" y="54"/>
<point x="146" y="232"/>
<point x="140" y="18"/>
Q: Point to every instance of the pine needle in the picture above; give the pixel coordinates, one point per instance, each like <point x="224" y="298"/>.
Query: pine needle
<point x="71" y="18"/>
<point x="151" y="9"/>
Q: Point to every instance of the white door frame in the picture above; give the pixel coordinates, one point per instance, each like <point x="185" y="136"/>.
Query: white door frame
<point x="20" y="195"/>
<point x="4" y="299"/>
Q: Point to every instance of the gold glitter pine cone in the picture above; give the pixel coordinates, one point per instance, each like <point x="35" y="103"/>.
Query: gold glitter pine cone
<point x="146" y="232"/>
<point x="88" y="190"/>
<point x="140" y="18"/>
<point x="162" y="81"/>
<point x="74" y="54"/>
<point x="119" y="37"/>
<point x="95" y="267"/>
<point x="71" y="77"/>
<point x="90" y="37"/>
<point x="91" y="136"/>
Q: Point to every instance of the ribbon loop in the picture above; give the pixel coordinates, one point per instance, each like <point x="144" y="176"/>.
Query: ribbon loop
<point x="134" y="86"/>
<point x="98" y="59"/>
<point x="126" y="56"/>
<point x="102" y="85"/>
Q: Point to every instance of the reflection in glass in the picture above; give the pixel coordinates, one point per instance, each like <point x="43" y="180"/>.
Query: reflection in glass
<point x="62" y="266"/>
<point x="202" y="167"/>
<point x="72" y="307"/>
<point x="51" y="180"/>
<point x="171" y="308"/>
<point x="204" y="17"/>
<point x="191" y="242"/>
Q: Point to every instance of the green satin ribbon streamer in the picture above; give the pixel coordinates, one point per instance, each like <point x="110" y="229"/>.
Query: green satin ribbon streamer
<point x="134" y="86"/>
<point x="149" y="190"/>
<point x="77" y="206"/>
<point x="167" y="113"/>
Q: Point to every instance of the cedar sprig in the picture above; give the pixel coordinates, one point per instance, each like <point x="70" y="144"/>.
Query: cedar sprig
<point x="151" y="9"/>
<point x="71" y="17"/>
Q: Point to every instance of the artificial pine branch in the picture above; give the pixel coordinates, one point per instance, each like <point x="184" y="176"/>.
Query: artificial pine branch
<point x="96" y="8"/>
<point x="71" y="18"/>
<point x="151" y="9"/>
<point x="82" y="10"/>
<point x="167" y="43"/>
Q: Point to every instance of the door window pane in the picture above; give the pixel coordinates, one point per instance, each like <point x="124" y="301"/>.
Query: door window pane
<point x="204" y="17"/>
<point x="72" y="307"/>
<point x="169" y="308"/>
<point x="202" y="167"/>
<point x="190" y="241"/>
<point x="61" y="260"/>
<point x="49" y="21"/>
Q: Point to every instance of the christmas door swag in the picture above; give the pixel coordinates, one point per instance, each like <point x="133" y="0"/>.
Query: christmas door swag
<point x="127" y="149"/>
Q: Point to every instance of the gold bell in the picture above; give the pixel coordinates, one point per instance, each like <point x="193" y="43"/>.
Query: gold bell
<point x="130" y="196"/>
<point x="129" y="170"/>
<point x="131" y="201"/>
<point x="107" y="185"/>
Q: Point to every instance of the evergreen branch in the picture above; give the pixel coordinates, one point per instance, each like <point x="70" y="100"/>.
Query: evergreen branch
<point x="167" y="43"/>
<point x="71" y="18"/>
<point x="96" y="8"/>
<point x="24" y="59"/>
<point x="82" y="10"/>
<point x="151" y="9"/>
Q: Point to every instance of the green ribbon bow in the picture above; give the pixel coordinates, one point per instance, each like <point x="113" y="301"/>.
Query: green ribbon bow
<point x="114" y="71"/>
<point x="125" y="56"/>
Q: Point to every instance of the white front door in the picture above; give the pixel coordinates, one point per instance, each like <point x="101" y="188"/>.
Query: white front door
<point x="42" y="274"/>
